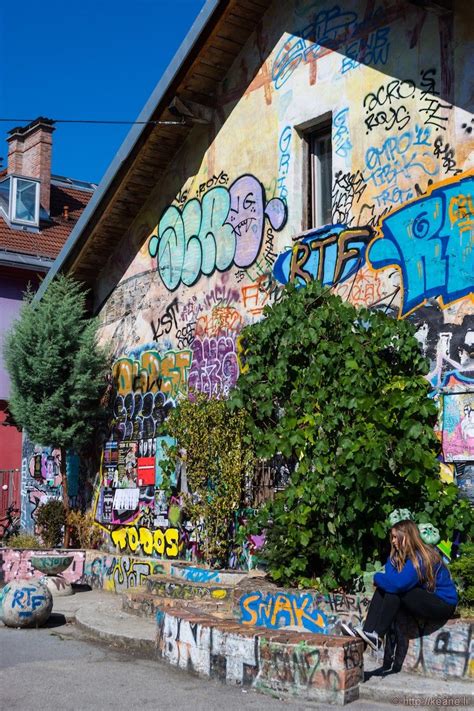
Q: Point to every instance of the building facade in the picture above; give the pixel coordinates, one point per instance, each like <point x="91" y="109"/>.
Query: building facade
<point x="319" y="140"/>
<point x="38" y="211"/>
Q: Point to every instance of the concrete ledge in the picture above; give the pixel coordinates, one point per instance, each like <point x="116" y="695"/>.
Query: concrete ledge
<point x="177" y="589"/>
<point x="142" y="603"/>
<point x="314" y="667"/>
<point x="443" y="651"/>
<point x="408" y="690"/>
<point x="107" y="622"/>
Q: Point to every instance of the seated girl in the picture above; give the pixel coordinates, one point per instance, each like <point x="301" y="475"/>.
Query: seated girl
<point x="415" y="579"/>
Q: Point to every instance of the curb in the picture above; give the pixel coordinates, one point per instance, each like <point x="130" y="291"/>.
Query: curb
<point x="459" y="694"/>
<point x="86" y="619"/>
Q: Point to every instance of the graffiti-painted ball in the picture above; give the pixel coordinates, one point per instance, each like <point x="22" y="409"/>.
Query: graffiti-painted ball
<point x="25" y="603"/>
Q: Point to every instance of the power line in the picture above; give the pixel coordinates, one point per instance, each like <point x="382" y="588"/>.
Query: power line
<point x="142" y="123"/>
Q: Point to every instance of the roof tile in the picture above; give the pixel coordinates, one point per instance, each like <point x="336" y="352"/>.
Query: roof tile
<point x="49" y="241"/>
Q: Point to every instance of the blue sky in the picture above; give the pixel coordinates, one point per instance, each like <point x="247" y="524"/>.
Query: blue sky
<point x="95" y="59"/>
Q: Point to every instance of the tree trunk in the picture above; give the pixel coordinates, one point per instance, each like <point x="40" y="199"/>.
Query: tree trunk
<point x="65" y="495"/>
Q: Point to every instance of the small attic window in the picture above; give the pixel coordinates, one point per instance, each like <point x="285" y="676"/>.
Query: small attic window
<point x="20" y="200"/>
<point x="25" y="203"/>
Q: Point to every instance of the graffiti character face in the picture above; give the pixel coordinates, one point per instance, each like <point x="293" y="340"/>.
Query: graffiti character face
<point x="246" y="218"/>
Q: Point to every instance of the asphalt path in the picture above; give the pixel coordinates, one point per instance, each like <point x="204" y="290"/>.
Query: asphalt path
<point x="60" y="669"/>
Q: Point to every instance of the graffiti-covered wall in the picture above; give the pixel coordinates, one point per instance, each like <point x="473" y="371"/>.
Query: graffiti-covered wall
<point x="230" y="224"/>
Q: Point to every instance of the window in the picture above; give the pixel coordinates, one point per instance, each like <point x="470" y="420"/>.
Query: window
<point x="321" y="176"/>
<point x="25" y="204"/>
<point x="20" y="200"/>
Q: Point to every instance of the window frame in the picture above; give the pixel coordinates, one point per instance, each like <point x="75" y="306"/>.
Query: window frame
<point x="13" y="200"/>
<point x="316" y="130"/>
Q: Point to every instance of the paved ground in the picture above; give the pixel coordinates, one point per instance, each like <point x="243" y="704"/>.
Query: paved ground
<point x="107" y="661"/>
<point x="59" y="668"/>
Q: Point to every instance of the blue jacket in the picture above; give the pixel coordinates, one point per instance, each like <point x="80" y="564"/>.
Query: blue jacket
<point x="393" y="581"/>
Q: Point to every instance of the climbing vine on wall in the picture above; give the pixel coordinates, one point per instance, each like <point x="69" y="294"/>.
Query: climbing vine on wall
<point x="210" y="445"/>
<point x="343" y="391"/>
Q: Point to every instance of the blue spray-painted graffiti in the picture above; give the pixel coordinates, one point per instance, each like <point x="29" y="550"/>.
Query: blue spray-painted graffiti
<point x="196" y="575"/>
<point x="283" y="609"/>
<point x="340" y="133"/>
<point x="369" y="51"/>
<point x="334" y="29"/>
<point x="431" y="241"/>
<point x="400" y="155"/>
<point x="331" y="254"/>
<point x="224" y="228"/>
<point x="328" y="28"/>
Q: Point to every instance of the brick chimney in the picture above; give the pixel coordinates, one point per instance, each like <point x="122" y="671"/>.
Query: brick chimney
<point x="29" y="154"/>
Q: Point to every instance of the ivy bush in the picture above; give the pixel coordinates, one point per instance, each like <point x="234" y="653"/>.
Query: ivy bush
<point x="210" y="444"/>
<point x="342" y="391"/>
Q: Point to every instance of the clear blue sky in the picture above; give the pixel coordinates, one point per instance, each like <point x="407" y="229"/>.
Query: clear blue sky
<point x="94" y="59"/>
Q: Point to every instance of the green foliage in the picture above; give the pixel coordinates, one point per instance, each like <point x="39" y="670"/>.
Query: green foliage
<point x="343" y="392"/>
<point x="210" y="443"/>
<point x="462" y="571"/>
<point x="51" y="518"/>
<point x="57" y="371"/>
<point x="25" y="540"/>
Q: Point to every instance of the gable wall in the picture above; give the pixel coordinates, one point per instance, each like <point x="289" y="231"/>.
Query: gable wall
<point x="402" y="144"/>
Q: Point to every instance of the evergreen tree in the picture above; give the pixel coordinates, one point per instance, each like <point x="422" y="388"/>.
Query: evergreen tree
<point x="57" y="370"/>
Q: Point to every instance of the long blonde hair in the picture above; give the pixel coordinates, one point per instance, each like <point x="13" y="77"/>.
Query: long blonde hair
<point x="411" y="547"/>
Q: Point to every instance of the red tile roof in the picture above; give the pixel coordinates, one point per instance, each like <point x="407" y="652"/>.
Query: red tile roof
<point x="52" y="235"/>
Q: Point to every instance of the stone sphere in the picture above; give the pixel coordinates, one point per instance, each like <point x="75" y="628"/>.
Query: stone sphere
<point x="25" y="603"/>
<point x="57" y="585"/>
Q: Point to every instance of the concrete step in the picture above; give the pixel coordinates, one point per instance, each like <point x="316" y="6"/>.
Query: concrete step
<point x="108" y="622"/>
<point x="141" y="602"/>
<point x="172" y="587"/>
<point x="195" y="573"/>
<point x="405" y="690"/>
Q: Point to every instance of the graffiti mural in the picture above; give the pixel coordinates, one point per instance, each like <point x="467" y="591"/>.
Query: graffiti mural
<point x="215" y="367"/>
<point x="431" y="242"/>
<point x="162" y="543"/>
<point x="331" y="254"/>
<point x="276" y="610"/>
<point x="458" y="427"/>
<point x="224" y="228"/>
<point x="229" y="225"/>
<point x="16" y="564"/>
<point x="117" y="573"/>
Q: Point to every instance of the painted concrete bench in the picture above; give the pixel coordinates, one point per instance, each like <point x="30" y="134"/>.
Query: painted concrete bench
<point x="430" y="649"/>
<point x="314" y="667"/>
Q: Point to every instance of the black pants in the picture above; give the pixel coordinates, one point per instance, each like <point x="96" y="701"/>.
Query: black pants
<point x="418" y="602"/>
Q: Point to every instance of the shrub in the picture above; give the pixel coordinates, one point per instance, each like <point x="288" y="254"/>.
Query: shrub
<point x="84" y="530"/>
<point x="210" y="444"/>
<point x="51" y="519"/>
<point x="342" y="392"/>
<point x="25" y="540"/>
<point x="462" y="571"/>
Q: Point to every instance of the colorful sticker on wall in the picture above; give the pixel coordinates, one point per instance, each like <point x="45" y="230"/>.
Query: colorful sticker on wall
<point x="458" y="427"/>
<point x="465" y="480"/>
<point x="146" y="471"/>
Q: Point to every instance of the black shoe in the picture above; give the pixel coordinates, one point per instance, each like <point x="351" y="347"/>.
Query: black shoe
<point x="348" y="629"/>
<point x="370" y="638"/>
